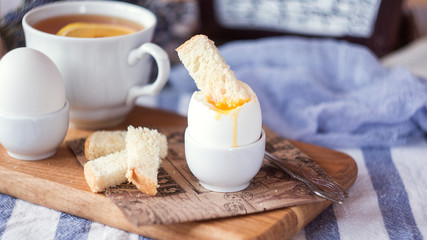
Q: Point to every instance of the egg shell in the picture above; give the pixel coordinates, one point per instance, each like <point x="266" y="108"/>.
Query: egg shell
<point x="30" y="84"/>
<point x="219" y="128"/>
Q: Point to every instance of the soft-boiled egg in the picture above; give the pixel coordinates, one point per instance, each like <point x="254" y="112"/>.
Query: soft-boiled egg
<point x="218" y="127"/>
<point x="30" y="84"/>
<point x="224" y="140"/>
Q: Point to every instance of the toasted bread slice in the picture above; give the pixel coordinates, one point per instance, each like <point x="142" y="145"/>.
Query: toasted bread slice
<point x="102" y="143"/>
<point x="109" y="168"/>
<point x="106" y="171"/>
<point x="143" y="158"/>
<point x="212" y="74"/>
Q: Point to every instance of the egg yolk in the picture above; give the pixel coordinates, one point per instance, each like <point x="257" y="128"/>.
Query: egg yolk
<point x="226" y="104"/>
<point x="224" y="108"/>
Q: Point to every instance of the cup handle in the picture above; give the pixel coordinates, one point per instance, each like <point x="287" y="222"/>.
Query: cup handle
<point x="163" y="65"/>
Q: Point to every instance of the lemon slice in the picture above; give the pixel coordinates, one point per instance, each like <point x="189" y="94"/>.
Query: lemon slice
<point x="93" y="30"/>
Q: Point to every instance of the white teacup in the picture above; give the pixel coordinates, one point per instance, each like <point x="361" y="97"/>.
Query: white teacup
<point x="103" y="76"/>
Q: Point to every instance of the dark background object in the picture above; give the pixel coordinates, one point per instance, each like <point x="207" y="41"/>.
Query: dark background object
<point x="384" y="38"/>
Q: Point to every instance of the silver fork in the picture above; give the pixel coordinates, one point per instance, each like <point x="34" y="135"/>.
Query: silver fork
<point x="315" y="189"/>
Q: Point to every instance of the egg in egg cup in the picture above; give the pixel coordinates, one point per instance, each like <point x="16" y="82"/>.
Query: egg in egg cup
<point x="224" y="140"/>
<point x="34" y="111"/>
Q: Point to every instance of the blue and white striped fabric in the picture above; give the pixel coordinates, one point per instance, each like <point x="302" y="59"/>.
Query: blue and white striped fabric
<point x="388" y="199"/>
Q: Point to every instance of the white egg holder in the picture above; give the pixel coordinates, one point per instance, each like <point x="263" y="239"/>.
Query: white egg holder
<point x="34" y="137"/>
<point x="224" y="169"/>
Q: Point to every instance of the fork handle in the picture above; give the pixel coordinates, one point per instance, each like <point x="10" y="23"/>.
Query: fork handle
<point x="316" y="190"/>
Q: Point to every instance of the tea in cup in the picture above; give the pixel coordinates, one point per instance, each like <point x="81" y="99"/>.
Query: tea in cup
<point x="103" y="51"/>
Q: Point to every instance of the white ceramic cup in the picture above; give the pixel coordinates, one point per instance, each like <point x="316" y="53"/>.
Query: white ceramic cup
<point x="103" y="76"/>
<point x="224" y="169"/>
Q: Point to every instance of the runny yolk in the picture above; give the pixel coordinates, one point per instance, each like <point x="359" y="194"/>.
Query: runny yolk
<point x="226" y="107"/>
<point x="227" y="104"/>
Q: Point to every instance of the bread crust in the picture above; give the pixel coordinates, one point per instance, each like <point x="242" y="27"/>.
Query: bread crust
<point x="141" y="182"/>
<point x="87" y="147"/>
<point x="192" y="40"/>
<point x="91" y="179"/>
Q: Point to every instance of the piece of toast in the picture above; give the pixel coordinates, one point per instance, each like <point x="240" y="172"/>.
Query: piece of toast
<point x="106" y="171"/>
<point x="212" y="74"/>
<point x="110" y="169"/>
<point x="102" y="143"/>
<point x="143" y="158"/>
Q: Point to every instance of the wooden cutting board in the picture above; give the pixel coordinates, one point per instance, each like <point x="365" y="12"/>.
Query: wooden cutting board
<point x="58" y="183"/>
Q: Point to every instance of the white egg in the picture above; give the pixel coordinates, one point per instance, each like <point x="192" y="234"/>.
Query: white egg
<point x="30" y="84"/>
<point x="224" y="128"/>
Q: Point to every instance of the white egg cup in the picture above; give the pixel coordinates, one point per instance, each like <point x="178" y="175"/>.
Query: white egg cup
<point x="224" y="169"/>
<point x="36" y="137"/>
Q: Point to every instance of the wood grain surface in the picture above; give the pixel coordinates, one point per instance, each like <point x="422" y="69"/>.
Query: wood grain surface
<point x="58" y="183"/>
